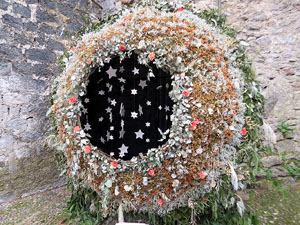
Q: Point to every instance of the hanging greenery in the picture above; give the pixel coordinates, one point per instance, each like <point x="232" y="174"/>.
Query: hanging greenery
<point x="214" y="94"/>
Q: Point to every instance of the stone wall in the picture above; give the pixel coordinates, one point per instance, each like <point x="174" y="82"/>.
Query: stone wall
<point x="33" y="33"/>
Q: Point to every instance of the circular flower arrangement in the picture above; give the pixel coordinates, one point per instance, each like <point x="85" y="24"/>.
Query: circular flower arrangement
<point x="207" y="119"/>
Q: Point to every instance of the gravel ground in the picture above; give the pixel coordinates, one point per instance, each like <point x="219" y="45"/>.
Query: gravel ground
<point x="49" y="207"/>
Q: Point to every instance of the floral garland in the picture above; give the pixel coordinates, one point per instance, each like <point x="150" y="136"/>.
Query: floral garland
<point x="207" y="120"/>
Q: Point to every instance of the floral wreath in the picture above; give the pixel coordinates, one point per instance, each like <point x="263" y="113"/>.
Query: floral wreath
<point x="207" y="119"/>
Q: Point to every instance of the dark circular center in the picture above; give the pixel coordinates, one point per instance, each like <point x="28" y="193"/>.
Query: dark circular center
<point x="126" y="110"/>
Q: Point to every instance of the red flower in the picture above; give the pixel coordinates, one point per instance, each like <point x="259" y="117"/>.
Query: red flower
<point x="114" y="164"/>
<point x="77" y="129"/>
<point x="192" y="127"/>
<point x="203" y="175"/>
<point x="69" y="172"/>
<point x="160" y="202"/>
<point x="89" y="61"/>
<point x="87" y="149"/>
<point x="186" y="93"/>
<point x="73" y="100"/>
<point x="73" y="48"/>
<point x="244" y="131"/>
<point x="180" y="10"/>
<point x="195" y="122"/>
<point x="151" y="172"/>
<point x="204" y="200"/>
<point x="151" y="56"/>
<point x="122" y="47"/>
<point x="125" y="19"/>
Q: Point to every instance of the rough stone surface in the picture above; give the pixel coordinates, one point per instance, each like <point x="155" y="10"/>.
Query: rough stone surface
<point x="271" y="161"/>
<point x="33" y="34"/>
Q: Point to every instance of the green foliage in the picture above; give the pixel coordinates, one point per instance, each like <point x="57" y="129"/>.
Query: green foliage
<point x="285" y="129"/>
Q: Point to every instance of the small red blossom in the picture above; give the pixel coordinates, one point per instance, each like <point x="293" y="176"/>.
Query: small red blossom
<point x="73" y="48"/>
<point x="125" y="19"/>
<point x="203" y="175"/>
<point x="122" y="47"/>
<point x="192" y="127"/>
<point x="151" y="56"/>
<point x="186" y="93"/>
<point x="244" y="131"/>
<point x="180" y="10"/>
<point x="160" y="202"/>
<point x="195" y="122"/>
<point x="151" y="172"/>
<point x="204" y="200"/>
<point x="87" y="149"/>
<point x="69" y="172"/>
<point x="77" y="129"/>
<point x="114" y="164"/>
<point x="72" y="100"/>
<point x="89" y="61"/>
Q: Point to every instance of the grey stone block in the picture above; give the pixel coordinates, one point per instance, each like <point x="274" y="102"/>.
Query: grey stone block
<point x="22" y="10"/>
<point x="31" y="26"/>
<point x="48" y="4"/>
<point x="5" y="69"/>
<point x="31" y="1"/>
<point x="9" y="52"/>
<point x="3" y="33"/>
<point x="3" y="5"/>
<point x="42" y="70"/>
<point x="25" y="84"/>
<point x="74" y="26"/>
<point x="41" y="55"/>
<point x="6" y="141"/>
<point x="52" y="44"/>
<point x="44" y="16"/>
<point x="23" y="68"/>
<point x="12" y="21"/>
<point x="45" y="28"/>
<point x="66" y="10"/>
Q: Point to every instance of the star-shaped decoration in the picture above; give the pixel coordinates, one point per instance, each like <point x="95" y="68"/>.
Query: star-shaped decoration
<point x="102" y="140"/>
<point x="122" y="123"/>
<point x="122" y="88"/>
<point x="110" y="88"/>
<point x="122" y="110"/>
<point x="112" y="128"/>
<point x="108" y="99"/>
<point x="140" y="110"/>
<point x="135" y="71"/>
<point x="101" y="92"/>
<point x="113" y="102"/>
<point x="101" y="119"/>
<point x="167" y="85"/>
<point x="139" y="134"/>
<point x="148" y="124"/>
<point x="107" y="136"/>
<point x="85" y="111"/>
<point x="122" y="69"/>
<point x="123" y="148"/>
<point x="122" y="80"/>
<point x="133" y="91"/>
<point x="147" y="140"/>
<point x="148" y="103"/>
<point x="111" y="72"/>
<point x="87" y="127"/>
<point x="122" y="132"/>
<point x="159" y="87"/>
<point x="143" y="83"/>
<point x="108" y="110"/>
<point x="159" y="107"/>
<point x="134" y="115"/>
<point x="86" y="100"/>
<point x="167" y="108"/>
<point x="111" y="137"/>
<point x="107" y="85"/>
